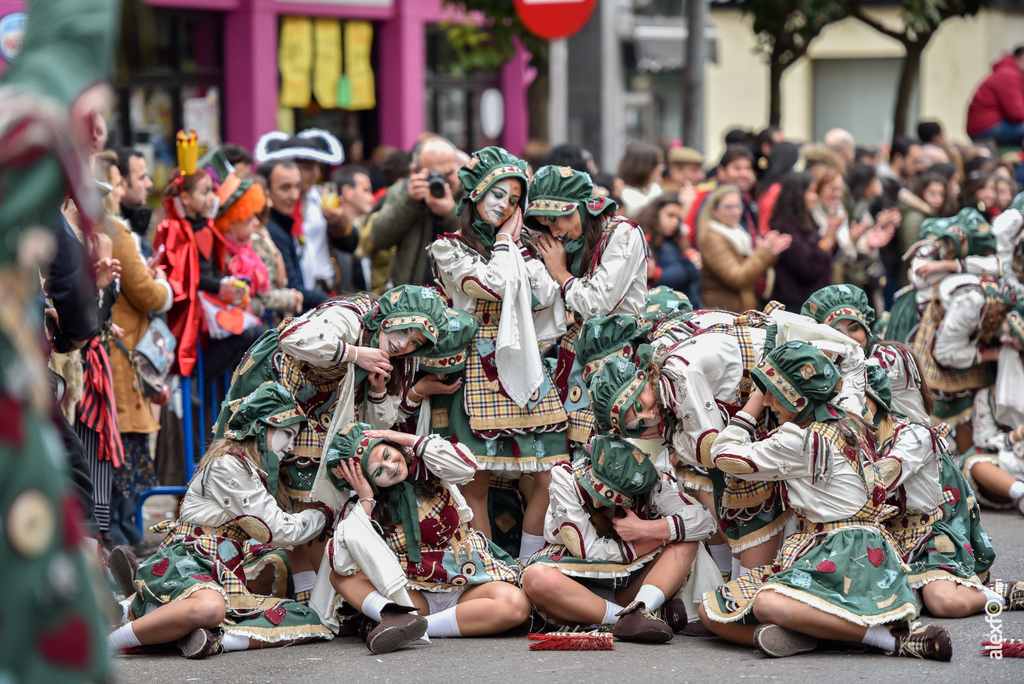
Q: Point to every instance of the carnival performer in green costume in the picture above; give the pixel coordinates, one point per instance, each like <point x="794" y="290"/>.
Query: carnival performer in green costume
<point x="510" y="415"/>
<point x="841" y="575"/>
<point x="219" y="581"/>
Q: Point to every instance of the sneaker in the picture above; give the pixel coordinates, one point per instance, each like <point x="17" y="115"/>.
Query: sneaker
<point x="398" y="626"/>
<point x="929" y="642"/>
<point x="1013" y="592"/>
<point x="123" y="564"/>
<point x="779" y="642"/>
<point x="636" y="623"/>
<point x="200" y="643"/>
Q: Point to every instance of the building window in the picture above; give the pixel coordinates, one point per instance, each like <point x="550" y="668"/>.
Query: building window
<point x="453" y="98"/>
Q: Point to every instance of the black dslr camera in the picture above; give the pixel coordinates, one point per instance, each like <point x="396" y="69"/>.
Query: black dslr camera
<point x="437" y="184"/>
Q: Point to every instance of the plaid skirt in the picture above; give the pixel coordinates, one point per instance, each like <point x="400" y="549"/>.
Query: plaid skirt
<point x="571" y="388"/>
<point x="223" y="559"/>
<point x="490" y="410"/>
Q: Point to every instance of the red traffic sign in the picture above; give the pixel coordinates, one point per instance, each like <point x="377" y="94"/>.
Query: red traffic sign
<point x="554" y="19"/>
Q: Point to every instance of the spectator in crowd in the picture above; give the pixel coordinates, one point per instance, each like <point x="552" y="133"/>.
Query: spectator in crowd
<point x="283" y="180"/>
<point x="979" y="192"/>
<point x="641" y="169"/>
<point x="997" y="108"/>
<point x="781" y="161"/>
<point x="806" y="266"/>
<point x="933" y="143"/>
<point x="927" y="197"/>
<point x="377" y="263"/>
<point x="905" y="160"/>
<point x="137" y="184"/>
<point x="866" y="155"/>
<point x="1006" y="190"/>
<point x="573" y="156"/>
<point x="280" y="299"/>
<point x="355" y="200"/>
<point x="661" y="220"/>
<point x="733" y="265"/>
<point x="418" y="210"/>
<point x="953" y="176"/>
<point x="841" y="141"/>
<point x="735" y="168"/>
<point x="144" y="292"/>
<point x="763" y="145"/>
<point x="240" y="158"/>
<point x="685" y="169"/>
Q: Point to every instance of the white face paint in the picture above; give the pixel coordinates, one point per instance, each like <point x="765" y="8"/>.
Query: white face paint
<point x="280" y="440"/>
<point x="499" y="202"/>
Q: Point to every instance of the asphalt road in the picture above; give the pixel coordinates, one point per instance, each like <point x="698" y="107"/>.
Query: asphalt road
<point x="508" y="659"/>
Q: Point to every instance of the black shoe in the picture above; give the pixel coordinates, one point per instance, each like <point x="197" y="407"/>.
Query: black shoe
<point x="398" y="626"/>
<point x="123" y="565"/>
<point x="779" y="642"/>
<point x="636" y="623"/>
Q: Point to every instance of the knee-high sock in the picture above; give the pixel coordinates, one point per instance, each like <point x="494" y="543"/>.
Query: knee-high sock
<point x="530" y="544"/>
<point x="651" y="596"/>
<point x="372" y="604"/>
<point x="443" y="624"/>
<point x="122" y="637"/>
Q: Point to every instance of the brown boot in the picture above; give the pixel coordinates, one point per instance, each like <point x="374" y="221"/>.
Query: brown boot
<point x="398" y="626"/>
<point x="123" y="564"/>
<point x="636" y="623"/>
<point x="200" y="643"/>
<point x="929" y="642"/>
<point x="1013" y="592"/>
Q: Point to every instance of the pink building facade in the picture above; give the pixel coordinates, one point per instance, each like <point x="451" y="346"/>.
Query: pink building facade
<point x="250" y="64"/>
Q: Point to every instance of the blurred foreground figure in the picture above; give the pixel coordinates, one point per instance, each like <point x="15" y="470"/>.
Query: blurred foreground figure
<point x="49" y="100"/>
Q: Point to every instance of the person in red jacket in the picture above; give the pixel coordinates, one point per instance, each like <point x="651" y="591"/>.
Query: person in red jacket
<point x="997" y="108"/>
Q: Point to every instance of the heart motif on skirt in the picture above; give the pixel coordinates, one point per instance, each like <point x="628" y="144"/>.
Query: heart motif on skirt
<point x="160" y="568"/>
<point x="826" y="566"/>
<point x="876" y="556"/>
<point x="276" y="614"/>
<point x="68" y="645"/>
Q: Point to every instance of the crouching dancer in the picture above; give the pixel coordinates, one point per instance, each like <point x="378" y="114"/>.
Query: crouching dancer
<point x="218" y="583"/>
<point x="618" y="535"/>
<point x="840" y="576"/>
<point x="462" y="583"/>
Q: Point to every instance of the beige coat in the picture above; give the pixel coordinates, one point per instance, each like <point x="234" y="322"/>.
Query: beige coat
<point x="140" y="294"/>
<point x="729" y="279"/>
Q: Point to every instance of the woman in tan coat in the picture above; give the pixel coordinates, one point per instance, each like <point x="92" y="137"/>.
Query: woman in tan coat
<point x="732" y="263"/>
<point x="144" y="290"/>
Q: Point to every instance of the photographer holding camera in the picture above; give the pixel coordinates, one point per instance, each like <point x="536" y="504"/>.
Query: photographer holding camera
<point x="417" y="210"/>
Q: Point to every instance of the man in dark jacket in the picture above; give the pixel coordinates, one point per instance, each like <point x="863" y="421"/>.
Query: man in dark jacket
<point x="412" y="217"/>
<point x="997" y="108"/>
<point x="283" y="180"/>
<point x="137" y="185"/>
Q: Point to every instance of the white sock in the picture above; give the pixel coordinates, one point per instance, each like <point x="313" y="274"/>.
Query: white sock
<point x="994" y="596"/>
<point x="736" y="567"/>
<point x="122" y="637"/>
<point x="879" y="636"/>
<point x="529" y="545"/>
<point x="304" y="581"/>
<point x="1016" y="491"/>
<point x="443" y="624"/>
<point x="651" y="596"/>
<point x="611" y="611"/>
<point x="372" y="604"/>
<point x="722" y="555"/>
<point x="234" y="642"/>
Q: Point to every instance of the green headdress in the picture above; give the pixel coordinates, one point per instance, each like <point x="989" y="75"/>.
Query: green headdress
<point x="968" y="231"/>
<point x="617" y="336"/>
<point x="449" y="355"/>
<point x="663" y="300"/>
<point x="613" y="390"/>
<point x="802" y="378"/>
<point x="484" y="169"/>
<point x="840" y="303"/>
<point x="351" y="443"/>
<point x="231" y="187"/>
<point x="268" y="406"/>
<point x="561" y="190"/>
<point x="408" y="306"/>
<point x="618" y="471"/>
<point x="879" y="389"/>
